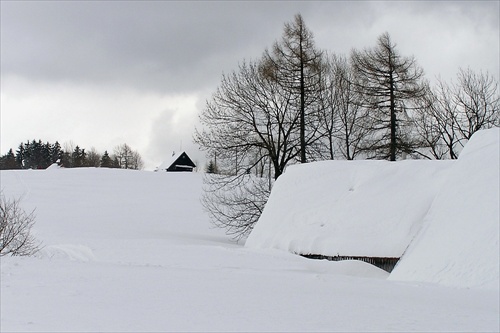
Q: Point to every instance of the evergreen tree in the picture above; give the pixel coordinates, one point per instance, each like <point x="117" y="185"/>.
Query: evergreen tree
<point x="27" y="156"/>
<point x="31" y="155"/>
<point x="45" y="154"/>
<point x="211" y="167"/>
<point x="66" y="160"/>
<point x="36" y="154"/>
<point x="20" y="155"/>
<point x="78" y="156"/>
<point x="8" y="161"/>
<point x="106" y="161"/>
<point x="56" y="152"/>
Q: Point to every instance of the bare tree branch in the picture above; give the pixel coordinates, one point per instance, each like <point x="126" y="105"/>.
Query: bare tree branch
<point x="15" y="229"/>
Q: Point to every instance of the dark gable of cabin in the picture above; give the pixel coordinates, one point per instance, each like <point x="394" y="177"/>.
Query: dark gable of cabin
<point x="182" y="163"/>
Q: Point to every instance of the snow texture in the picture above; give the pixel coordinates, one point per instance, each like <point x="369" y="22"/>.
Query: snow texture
<point x="459" y="243"/>
<point x="349" y="208"/>
<point x="376" y="209"/>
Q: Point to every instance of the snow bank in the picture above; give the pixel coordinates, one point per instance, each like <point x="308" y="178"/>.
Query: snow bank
<point x="459" y="243"/>
<point x="349" y="208"/>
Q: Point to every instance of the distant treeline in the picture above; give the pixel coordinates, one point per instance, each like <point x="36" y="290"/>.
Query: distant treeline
<point x="39" y="155"/>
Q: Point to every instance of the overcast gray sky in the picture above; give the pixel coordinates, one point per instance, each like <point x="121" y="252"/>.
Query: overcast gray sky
<point x="103" y="73"/>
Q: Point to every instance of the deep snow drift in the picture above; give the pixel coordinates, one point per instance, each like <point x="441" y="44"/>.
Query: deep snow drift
<point x="459" y="243"/>
<point x="376" y="209"/>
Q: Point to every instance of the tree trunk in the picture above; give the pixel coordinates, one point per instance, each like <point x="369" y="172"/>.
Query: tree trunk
<point x="393" y="124"/>
<point x="302" y="105"/>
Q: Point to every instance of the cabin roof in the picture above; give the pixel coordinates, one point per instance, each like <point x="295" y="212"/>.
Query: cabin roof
<point x="173" y="159"/>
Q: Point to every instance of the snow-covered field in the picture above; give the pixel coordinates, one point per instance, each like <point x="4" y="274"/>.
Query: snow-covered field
<point x="134" y="251"/>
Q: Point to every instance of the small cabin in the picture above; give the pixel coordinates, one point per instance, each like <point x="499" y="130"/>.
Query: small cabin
<point x="179" y="162"/>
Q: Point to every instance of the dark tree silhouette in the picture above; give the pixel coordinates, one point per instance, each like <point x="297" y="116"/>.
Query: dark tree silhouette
<point x="389" y="85"/>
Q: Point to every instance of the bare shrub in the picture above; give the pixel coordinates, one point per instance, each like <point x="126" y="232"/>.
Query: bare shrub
<point x="235" y="203"/>
<point x="15" y="229"/>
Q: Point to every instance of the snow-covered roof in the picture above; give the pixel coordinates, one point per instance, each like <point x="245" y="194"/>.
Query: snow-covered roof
<point x="442" y="217"/>
<point x="168" y="162"/>
<point x="349" y="208"/>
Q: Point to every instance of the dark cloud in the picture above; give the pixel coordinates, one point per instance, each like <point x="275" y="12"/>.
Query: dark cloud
<point x="185" y="45"/>
<point x="157" y="45"/>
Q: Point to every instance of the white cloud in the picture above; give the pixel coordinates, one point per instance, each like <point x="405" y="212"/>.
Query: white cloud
<point x="172" y="130"/>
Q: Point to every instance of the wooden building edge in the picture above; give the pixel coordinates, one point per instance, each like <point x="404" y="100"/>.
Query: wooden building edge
<point x="385" y="263"/>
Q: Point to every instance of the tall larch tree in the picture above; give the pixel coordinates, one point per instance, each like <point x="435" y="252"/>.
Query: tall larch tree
<point x="297" y="64"/>
<point x="389" y="84"/>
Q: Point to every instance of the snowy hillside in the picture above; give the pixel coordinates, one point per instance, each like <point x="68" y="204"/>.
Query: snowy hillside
<point x="133" y="251"/>
<point x="376" y="209"/>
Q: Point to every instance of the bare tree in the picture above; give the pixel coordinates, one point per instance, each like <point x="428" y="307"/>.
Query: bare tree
<point x="389" y="84"/>
<point x="128" y="158"/>
<point x="15" y="229"/>
<point x="69" y="146"/>
<point x="137" y="162"/>
<point x="452" y="113"/>
<point x="235" y="203"/>
<point x="478" y="103"/>
<point x="67" y="155"/>
<point x="262" y="110"/>
<point x="261" y="118"/>
<point x="436" y="124"/>
<point x="249" y="119"/>
<point x="93" y="158"/>
<point x="341" y="116"/>
<point x="296" y="65"/>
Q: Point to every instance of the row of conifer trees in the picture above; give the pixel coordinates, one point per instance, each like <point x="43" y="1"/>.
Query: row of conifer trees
<point x="40" y="155"/>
